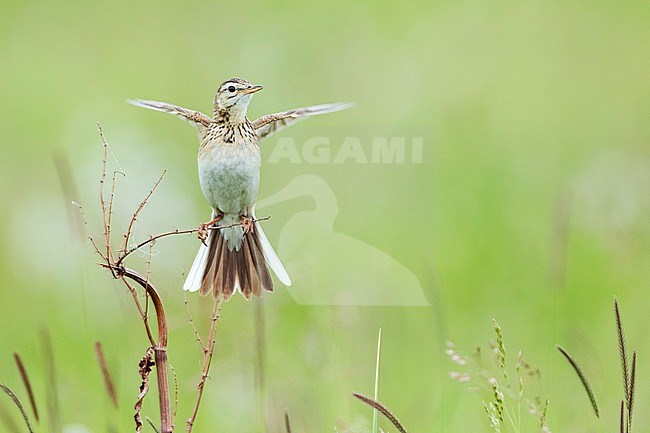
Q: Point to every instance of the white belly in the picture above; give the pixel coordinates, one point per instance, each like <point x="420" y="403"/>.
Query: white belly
<point x="229" y="174"/>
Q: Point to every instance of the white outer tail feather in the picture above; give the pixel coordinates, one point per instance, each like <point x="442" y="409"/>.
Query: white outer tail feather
<point x="195" y="275"/>
<point x="272" y="259"/>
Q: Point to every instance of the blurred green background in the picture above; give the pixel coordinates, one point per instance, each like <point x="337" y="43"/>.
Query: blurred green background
<point x="530" y="205"/>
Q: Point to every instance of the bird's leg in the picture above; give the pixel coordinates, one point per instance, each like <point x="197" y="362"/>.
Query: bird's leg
<point x="247" y="223"/>
<point x="204" y="227"/>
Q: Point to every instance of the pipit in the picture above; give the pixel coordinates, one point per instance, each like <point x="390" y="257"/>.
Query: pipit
<point x="235" y="254"/>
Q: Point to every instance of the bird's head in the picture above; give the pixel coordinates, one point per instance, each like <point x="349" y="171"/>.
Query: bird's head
<point x="233" y="97"/>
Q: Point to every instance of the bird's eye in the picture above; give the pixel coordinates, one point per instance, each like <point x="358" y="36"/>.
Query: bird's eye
<point x="231" y="89"/>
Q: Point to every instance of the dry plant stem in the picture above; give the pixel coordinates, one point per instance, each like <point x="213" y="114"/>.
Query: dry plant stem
<point x="160" y="348"/>
<point x="175" y="410"/>
<point x="27" y="383"/>
<point x="136" y="300"/>
<point x="191" y="322"/>
<point x="143" y="203"/>
<point x="153" y="239"/>
<point x="102" y="180"/>
<point x="108" y="381"/>
<point x="208" y="351"/>
<point x="111" y="200"/>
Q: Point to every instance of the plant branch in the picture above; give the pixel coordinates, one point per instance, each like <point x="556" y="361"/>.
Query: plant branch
<point x="143" y="203"/>
<point x="160" y="348"/>
<point x="153" y="239"/>
<point x="208" y="351"/>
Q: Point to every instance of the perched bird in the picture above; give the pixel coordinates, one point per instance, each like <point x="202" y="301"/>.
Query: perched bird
<point x="235" y="256"/>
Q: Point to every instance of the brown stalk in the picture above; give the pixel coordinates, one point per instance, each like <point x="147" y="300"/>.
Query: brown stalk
<point x="153" y="239"/>
<point x="630" y="404"/>
<point x="208" y="351"/>
<point x="108" y="380"/>
<point x="175" y="410"/>
<point x="623" y="350"/>
<point x="622" y="419"/>
<point x="260" y="361"/>
<point x="382" y="409"/>
<point x="160" y="348"/>
<point x="102" y="201"/>
<point x="27" y="383"/>
<point x="191" y="322"/>
<point x="143" y="203"/>
<point x="287" y="422"/>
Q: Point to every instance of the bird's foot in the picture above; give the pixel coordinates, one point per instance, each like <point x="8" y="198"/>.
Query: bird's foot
<point x="247" y="223"/>
<point x="204" y="229"/>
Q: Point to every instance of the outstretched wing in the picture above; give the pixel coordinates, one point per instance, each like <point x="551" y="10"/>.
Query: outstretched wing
<point x="272" y="123"/>
<point x="196" y="118"/>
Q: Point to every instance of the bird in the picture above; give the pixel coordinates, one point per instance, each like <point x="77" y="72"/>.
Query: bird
<point x="235" y="254"/>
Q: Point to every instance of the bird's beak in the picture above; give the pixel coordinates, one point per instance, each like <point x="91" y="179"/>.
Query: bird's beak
<point x="252" y="89"/>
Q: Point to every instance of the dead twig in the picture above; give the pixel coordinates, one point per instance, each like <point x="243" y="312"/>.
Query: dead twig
<point x="175" y="410"/>
<point x="208" y="351"/>
<point x="153" y="239"/>
<point x="143" y="203"/>
<point x="191" y="322"/>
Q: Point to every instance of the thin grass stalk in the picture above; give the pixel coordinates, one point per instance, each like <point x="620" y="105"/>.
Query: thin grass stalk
<point x="260" y="362"/>
<point x="134" y="218"/>
<point x="175" y="409"/>
<point x="18" y="403"/>
<point x="382" y="409"/>
<point x="108" y="380"/>
<point x="374" y="411"/>
<point x="153" y="426"/>
<point x="287" y="422"/>
<point x="585" y="383"/>
<point x="622" y="418"/>
<point x="630" y="406"/>
<point x="208" y="351"/>
<point x="501" y="353"/>
<point x="623" y="351"/>
<point x="27" y="383"/>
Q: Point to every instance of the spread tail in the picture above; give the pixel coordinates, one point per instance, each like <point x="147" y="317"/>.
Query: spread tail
<point x="222" y="268"/>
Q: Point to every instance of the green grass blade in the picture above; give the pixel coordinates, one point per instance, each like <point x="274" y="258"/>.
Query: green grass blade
<point x="374" y="412"/>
